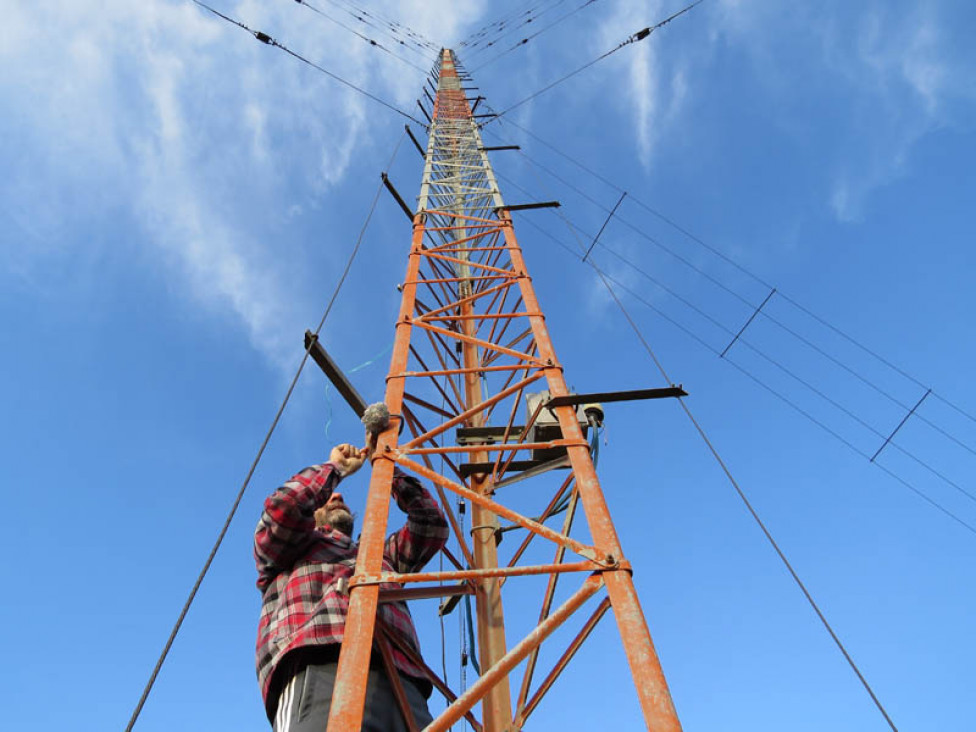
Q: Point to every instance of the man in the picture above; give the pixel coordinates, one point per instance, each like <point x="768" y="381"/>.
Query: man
<point x="305" y="556"/>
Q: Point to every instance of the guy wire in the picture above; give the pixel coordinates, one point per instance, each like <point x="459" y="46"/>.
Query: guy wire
<point x="257" y="458"/>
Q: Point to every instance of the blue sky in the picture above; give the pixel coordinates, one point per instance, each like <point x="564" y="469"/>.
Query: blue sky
<point x="179" y="201"/>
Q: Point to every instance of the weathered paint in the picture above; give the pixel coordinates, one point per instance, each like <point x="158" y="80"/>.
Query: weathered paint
<point x="464" y="236"/>
<point x="376" y="578"/>
<point x="544" y="531"/>
<point x="526" y="708"/>
<point x="491" y="676"/>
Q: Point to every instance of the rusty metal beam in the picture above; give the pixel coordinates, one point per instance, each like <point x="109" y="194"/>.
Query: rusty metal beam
<point x="494" y="674"/>
<point x="523" y="713"/>
<point x="466" y="261"/>
<point x="334" y="373"/>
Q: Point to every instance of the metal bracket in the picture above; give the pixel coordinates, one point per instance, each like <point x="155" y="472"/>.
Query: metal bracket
<point x="338" y="379"/>
<point x="527" y="206"/>
<point x="415" y="142"/>
<point x="399" y="199"/>
<point x="570" y="400"/>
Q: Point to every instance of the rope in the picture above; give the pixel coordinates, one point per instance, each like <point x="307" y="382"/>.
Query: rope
<point x="254" y="464"/>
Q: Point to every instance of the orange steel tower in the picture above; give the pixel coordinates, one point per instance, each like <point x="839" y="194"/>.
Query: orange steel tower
<point x="476" y="383"/>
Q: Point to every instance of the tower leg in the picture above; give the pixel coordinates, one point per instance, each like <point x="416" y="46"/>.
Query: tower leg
<point x="652" y="687"/>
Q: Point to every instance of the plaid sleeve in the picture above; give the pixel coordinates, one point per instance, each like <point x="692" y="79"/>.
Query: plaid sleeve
<point x="425" y="532"/>
<point x="287" y="524"/>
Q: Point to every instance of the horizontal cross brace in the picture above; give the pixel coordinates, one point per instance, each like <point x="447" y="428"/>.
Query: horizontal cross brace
<point x="517" y="466"/>
<point x="483" y="267"/>
<point x="462" y="250"/>
<point x="424" y="593"/>
<point x="457" y="372"/>
<point x="459" y="227"/>
<point x="453" y="214"/>
<point x="471" y="298"/>
<point x="484" y="316"/>
<point x="504" y="447"/>
<point x="434" y="280"/>
<point x="487" y="345"/>
<point x="378" y="578"/>
<point x="451" y="243"/>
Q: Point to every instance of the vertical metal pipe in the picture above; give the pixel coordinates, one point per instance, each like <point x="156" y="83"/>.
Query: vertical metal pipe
<point x="459" y="202"/>
<point x="497" y="703"/>
<point x="652" y="688"/>
<point x="349" y="694"/>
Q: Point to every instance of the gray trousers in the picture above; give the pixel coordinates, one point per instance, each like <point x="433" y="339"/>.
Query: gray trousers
<point x="305" y="700"/>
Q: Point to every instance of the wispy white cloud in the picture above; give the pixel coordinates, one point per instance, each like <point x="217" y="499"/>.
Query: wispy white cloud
<point x="883" y="73"/>
<point x="895" y="64"/>
<point x="657" y="91"/>
<point x="193" y="130"/>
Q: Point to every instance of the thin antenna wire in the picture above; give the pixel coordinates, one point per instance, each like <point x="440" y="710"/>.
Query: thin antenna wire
<point x="739" y="491"/>
<point x="765" y="314"/>
<point x="634" y="38"/>
<point x="356" y="33"/>
<point x="792" y="404"/>
<point x="752" y="275"/>
<point x="268" y="40"/>
<point x="751" y="509"/>
<point x="539" y="32"/>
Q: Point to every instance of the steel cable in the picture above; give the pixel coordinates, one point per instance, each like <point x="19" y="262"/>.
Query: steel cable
<point x="634" y="38"/>
<point x="805" y="413"/>
<point x="486" y="31"/>
<point x="268" y="40"/>
<point x="742" y="495"/>
<point x="356" y="33"/>
<point x="257" y="458"/>
<point x="384" y="25"/>
<point x="764" y="314"/>
<point x="533" y="36"/>
<point x="502" y="34"/>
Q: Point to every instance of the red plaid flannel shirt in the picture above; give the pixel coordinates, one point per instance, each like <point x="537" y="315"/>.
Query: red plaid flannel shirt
<point x="299" y="565"/>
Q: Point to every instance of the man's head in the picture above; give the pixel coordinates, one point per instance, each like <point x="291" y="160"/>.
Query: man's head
<point x="336" y="514"/>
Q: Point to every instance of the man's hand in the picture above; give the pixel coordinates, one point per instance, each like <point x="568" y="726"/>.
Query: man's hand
<point x="347" y="458"/>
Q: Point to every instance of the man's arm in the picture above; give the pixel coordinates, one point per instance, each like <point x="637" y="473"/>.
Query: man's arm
<point x="287" y="525"/>
<point x="425" y="532"/>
